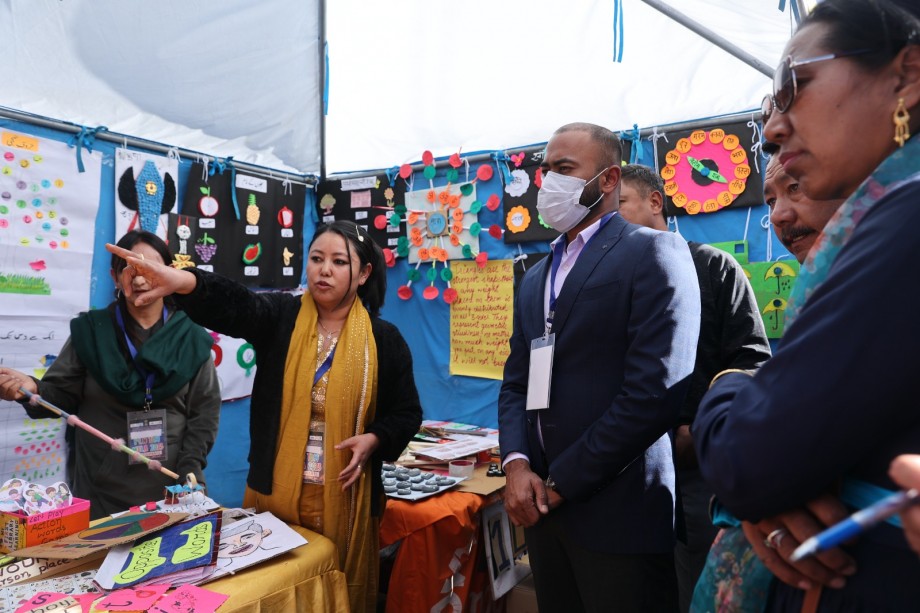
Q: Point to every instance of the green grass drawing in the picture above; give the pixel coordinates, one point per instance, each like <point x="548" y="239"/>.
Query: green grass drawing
<point x="24" y="284"/>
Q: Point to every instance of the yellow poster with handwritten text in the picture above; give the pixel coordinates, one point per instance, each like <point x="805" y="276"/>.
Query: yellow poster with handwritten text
<point x="480" y="319"/>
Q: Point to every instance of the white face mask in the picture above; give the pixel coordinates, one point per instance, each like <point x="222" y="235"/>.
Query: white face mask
<point x="558" y="200"/>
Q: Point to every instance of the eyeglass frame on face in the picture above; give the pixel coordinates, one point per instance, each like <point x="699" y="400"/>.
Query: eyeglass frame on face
<point x="769" y="103"/>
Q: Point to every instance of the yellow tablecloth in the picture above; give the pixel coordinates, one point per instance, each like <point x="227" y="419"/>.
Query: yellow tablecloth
<point x="304" y="579"/>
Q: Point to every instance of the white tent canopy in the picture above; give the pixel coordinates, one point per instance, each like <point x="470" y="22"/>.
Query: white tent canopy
<point x="243" y="78"/>
<point x="232" y="78"/>
<point x="415" y="74"/>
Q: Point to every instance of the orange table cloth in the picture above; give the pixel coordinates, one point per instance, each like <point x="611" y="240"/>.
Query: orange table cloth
<point x="440" y="564"/>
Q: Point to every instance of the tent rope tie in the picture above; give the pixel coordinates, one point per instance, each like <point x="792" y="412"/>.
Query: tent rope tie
<point x="173" y="154"/>
<point x="501" y="160"/>
<point x="86" y="137"/>
<point x="618" y="31"/>
<point x="219" y="167"/>
<point x="654" y="136"/>
<point x="757" y="140"/>
<point x="288" y="186"/>
<point x="392" y="173"/>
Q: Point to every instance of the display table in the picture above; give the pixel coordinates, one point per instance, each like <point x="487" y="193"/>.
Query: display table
<point x="438" y="565"/>
<point x="304" y="579"/>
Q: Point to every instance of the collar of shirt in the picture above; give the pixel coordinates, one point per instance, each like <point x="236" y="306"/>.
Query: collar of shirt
<point x="569" y="256"/>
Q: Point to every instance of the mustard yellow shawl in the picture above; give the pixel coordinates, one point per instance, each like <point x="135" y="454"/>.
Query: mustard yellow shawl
<point x="350" y="405"/>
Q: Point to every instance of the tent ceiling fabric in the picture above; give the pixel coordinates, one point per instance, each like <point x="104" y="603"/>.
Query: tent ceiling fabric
<point x="411" y="75"/>
<point x="242" y="78"/>
<point x="231" y="78"/>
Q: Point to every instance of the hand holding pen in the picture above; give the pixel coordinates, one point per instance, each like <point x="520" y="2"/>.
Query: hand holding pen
<point x="857" y="523"/>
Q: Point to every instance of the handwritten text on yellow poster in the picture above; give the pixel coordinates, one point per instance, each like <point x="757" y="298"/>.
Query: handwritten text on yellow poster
<point x="480" y="319"/>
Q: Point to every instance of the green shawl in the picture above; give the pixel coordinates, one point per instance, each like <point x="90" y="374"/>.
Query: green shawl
<point x="174" y="353"/>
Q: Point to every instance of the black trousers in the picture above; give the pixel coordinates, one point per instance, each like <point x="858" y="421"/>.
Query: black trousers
<point x="569" y="578"/>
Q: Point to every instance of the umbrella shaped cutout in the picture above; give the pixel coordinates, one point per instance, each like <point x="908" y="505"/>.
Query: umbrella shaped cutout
<point x="783" y="273"/>
<point x="774" y="310"/>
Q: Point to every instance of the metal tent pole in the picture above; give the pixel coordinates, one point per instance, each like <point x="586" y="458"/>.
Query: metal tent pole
<point x="711" y="36"/>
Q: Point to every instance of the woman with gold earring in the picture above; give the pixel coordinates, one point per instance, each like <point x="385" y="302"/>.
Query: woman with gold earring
<point x="809" y="438"/>
<point x="334" y="395"/>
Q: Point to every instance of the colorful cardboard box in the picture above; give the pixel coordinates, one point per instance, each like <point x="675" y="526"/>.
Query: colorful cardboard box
<point x="20" y="530"/>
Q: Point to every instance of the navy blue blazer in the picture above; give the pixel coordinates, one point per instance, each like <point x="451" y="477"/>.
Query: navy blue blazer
<point x="626" y="323"/>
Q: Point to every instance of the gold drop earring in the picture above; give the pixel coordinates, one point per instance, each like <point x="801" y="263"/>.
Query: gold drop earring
<point x="901" y="120"/>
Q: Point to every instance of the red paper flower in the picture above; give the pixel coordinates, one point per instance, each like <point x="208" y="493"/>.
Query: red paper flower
<point x="404" y="292"/>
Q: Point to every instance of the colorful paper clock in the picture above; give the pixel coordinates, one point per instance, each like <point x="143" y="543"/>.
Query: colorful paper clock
<point x="706" y="171"/>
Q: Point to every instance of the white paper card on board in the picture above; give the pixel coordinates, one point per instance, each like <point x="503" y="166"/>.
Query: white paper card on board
<point x="541" y="372"/>
<point x="253" y="184"/>
<point x="206" y="222"/>
<point x="359" y="183"/>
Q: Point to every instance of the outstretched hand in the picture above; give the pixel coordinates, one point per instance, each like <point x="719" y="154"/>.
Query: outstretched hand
<point x="163" y="280"/>
<point x="10" y="382"/>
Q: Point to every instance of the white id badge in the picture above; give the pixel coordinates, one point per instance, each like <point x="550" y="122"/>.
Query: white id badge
<point x="541" y="371"/>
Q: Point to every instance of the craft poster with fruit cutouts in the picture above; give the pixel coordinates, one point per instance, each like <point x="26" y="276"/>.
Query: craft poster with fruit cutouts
<point x="363" y="200"/>
<point x="707" y="170"/>
<point x="772" y="283"/>
<point x="244" y="227"/>
<point x="145" y="191"/>
<point x="47" y="225"/>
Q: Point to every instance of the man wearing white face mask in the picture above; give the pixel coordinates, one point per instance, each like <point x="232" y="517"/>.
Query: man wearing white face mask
<point x="604" y="342"/>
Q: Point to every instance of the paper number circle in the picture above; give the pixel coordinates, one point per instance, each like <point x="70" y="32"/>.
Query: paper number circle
<point x="706" y="171"/>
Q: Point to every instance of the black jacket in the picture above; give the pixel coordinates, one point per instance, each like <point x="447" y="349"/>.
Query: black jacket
<point x="266" y="320"/>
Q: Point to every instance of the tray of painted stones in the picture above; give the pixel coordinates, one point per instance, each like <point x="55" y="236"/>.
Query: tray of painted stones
<point x="413" y="483"/>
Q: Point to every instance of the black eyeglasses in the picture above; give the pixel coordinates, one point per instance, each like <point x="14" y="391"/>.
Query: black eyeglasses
<point x="785" y="83"/>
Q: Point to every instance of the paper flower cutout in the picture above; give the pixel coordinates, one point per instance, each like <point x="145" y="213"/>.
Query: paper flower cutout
<point x="493" y="202"/>
<point x="455" y="160"/>
<point x="518" y="219"/>
<point x="519" y="183"/>
<point x="484" y="172"/>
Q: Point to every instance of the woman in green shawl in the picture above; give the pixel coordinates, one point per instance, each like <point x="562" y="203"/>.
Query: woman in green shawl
<point x="141" y="373"/>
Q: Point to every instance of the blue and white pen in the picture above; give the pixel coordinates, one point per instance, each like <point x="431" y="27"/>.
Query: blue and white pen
<point x="856" y="523"/>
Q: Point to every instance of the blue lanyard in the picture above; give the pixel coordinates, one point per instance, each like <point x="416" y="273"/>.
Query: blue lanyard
<point x="148" y="377"/>
<point x="325" y="366"/>
<point x="558" y="249"/>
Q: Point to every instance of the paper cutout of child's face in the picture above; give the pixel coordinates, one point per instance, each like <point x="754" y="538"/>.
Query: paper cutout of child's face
<point x="242" y="543"/>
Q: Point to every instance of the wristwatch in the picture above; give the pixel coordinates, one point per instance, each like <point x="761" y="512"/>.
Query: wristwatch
<point x="550" y="483"/>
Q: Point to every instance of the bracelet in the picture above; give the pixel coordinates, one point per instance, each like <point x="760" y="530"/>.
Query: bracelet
<point x="727" y="371"/>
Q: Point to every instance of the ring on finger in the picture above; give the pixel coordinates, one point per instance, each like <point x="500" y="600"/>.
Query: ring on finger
<point x="775" y="538"/>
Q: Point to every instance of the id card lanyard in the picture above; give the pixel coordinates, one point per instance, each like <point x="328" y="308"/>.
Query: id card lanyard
<point x="313" y="463"/>
<point x="147" y="428"/>
<point x="540" y="375"/>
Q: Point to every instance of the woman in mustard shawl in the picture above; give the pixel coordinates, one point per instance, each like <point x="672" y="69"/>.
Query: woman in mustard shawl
<point x="333" y="395"/>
